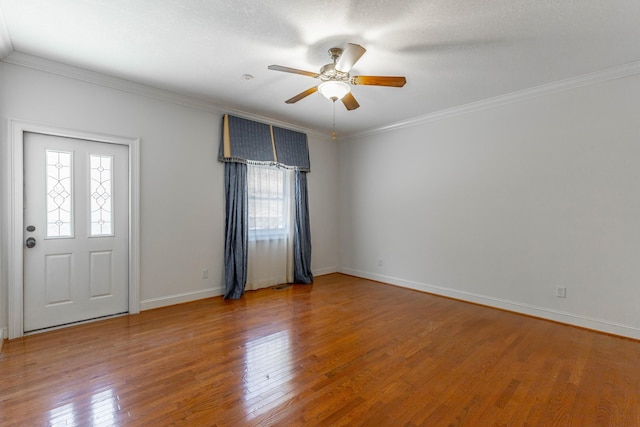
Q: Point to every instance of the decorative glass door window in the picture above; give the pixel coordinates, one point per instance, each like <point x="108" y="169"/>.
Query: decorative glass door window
<point x="100" y="192"/>
<point x="59" y="194"/>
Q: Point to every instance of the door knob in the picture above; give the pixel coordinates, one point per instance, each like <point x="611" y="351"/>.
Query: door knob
<point x="31" y="242"/>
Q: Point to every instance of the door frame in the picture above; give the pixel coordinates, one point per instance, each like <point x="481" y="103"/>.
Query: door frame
<point x="15" y="269"/>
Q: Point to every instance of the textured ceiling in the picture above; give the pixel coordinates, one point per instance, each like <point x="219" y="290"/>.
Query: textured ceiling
<point x="452" y="52"/>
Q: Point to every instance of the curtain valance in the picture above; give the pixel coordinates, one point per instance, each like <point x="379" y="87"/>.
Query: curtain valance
<point x="246" y="141"/>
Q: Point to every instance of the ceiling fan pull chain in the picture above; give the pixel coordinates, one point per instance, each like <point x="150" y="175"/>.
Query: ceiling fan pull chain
<point x="333" y="129"/>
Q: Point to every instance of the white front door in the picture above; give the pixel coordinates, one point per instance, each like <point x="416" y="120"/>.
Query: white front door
<point x="76" y="219"/>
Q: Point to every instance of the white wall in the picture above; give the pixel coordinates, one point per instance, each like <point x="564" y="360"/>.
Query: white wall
<point x="182" y="199"/>
<point x="499" y="206"/>
<point x="3" y="225"/>
<point x="322" y="184"/>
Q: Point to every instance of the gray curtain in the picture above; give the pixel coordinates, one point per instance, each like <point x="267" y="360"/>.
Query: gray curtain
<point x="236" y="234"/>
<point x="245" y="141"/>
<point x="301" y="232"/>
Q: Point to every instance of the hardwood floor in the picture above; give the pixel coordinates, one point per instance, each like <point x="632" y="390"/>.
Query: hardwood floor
<point x="344" y="351"/>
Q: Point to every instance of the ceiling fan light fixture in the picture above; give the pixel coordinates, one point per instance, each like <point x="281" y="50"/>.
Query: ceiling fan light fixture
<point x="334" y="89"/>
<point x="335" y="80"/>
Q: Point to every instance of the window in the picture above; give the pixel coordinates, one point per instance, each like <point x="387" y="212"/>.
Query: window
<point x="59" y="193"/>
<point x="100" y="191"/>
<point x="269" y="202"/>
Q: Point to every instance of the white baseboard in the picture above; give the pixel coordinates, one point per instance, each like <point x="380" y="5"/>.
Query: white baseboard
<point x="180" y="298"/>
<point x="4" y="333"/>
<point x="514" y="306"/>
<point x="323" y="271"/>
<point x="152" y="303"/>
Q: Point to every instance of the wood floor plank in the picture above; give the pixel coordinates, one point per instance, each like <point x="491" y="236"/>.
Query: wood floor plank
<point x="343" y="351"/>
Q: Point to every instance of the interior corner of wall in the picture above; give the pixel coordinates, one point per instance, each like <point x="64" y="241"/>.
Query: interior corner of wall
<point x="6" y="45"/>
<point x="3" y="336"/>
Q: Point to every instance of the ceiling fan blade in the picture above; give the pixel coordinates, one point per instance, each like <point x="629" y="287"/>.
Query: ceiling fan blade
<point x="350" y="102"/>
<point x="350" y="55"/>
<point x="379" y="81"/>
<point x="301" y="95"/>
<point x="293" y="70"/>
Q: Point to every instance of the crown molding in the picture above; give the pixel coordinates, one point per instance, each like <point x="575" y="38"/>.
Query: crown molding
<point x="45" y="65"/>
<point x="6" y="46"/>
<point x="608" y="74"/>
<point x="81" y="74"/>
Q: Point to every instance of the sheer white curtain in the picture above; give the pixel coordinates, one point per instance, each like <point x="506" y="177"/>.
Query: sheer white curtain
<point x="270" y="252"/>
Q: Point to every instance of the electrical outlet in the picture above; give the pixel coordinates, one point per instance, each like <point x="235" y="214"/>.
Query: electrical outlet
<point x="561" y="292"/>
<point x="380" y="262"/>
<point x="205" y="273"/>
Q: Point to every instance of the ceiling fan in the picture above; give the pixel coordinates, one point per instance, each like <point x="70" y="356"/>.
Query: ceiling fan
<point x="335" y="79"/>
